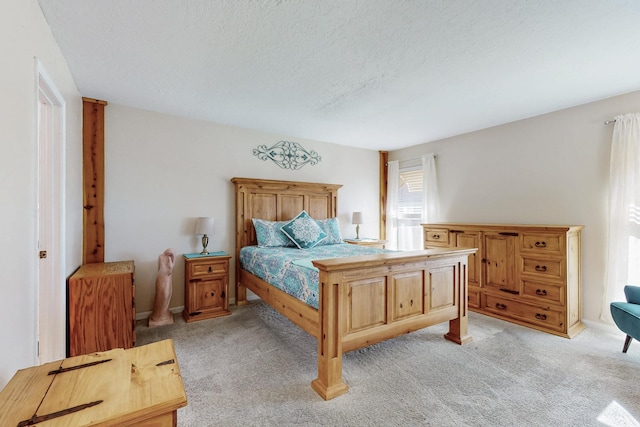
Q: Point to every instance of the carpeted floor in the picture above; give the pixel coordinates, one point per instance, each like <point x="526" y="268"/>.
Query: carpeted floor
<point x="254" y="368"/>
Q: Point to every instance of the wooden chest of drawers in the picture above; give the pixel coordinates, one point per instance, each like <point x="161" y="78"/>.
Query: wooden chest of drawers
<point x="526" y="274"/>
<point x="206" y="287"/>
<point x="101" y="313"/>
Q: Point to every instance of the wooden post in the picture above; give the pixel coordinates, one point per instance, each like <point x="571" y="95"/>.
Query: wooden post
<point x="459" y="327"/>
<point x="384" y="175"/>
<point x="329" y="383"/>
<point x="93" y="180"/>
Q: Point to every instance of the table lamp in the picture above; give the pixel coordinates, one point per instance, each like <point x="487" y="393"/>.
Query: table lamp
<point x="204" y="226"/>
<point x="356" y="219"/>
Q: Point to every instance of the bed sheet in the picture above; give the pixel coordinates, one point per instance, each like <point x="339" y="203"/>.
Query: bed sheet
<point x="290" y="269"/>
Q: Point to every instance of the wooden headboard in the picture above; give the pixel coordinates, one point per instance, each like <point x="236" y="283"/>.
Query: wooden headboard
<point x="279" y="201"/>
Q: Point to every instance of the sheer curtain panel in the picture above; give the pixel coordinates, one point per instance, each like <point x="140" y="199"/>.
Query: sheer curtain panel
<point x="430" y="197"/>
<point x="623" y="255"/>
<point x="393" y="179"/>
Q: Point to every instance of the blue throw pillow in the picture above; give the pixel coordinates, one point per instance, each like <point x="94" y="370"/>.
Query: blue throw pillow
<point x="269" y="233"/>
<point x="304" y="231"/>
<point x="331" y="227"/>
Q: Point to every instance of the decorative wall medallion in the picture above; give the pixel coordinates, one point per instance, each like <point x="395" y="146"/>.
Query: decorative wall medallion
<point x="287" y="155"/>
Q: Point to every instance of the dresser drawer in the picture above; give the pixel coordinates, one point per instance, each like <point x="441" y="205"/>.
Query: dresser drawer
<point x="203" y="268"/>
<point x="552" y="319"/>
<point x="543" y="292"/>
<point x="542" y="243"/>
<point x="436" y="237"/>
<point x="543" y="267"/>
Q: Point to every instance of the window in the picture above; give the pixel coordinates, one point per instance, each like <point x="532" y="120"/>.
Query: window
<point x="410" y="207"/>
<point x="410" y="196"/>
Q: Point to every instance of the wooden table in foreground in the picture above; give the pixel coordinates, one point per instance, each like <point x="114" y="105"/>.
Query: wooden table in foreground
<point x="141" y="386"/>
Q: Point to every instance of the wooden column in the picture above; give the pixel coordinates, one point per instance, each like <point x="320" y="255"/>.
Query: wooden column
<point x="384" y="174"/>
<point x="93" y="180"/>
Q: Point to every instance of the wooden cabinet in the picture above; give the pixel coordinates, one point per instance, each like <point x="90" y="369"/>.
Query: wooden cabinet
<point x="206" y="286"/>
<point x="373" y="243"/>
<point x="101" y="307"/>
<point x="438" y="236"/>
<point x="526" y="274"/>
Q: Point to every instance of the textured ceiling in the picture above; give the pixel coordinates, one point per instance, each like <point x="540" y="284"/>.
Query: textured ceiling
<point x="379" y="74"/>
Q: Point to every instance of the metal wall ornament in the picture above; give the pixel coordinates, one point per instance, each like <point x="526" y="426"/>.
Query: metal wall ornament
<point x="287" y="155"/>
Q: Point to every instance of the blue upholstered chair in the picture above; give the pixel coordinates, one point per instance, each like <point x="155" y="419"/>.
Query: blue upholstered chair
<point x="627" y="315"/>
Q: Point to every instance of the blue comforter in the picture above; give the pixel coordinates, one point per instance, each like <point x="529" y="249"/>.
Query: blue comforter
<point x="290" y="269"/>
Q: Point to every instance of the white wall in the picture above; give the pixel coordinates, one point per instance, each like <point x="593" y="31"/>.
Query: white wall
<point x="164" y="171"/>
<point x="550" y="169"/>
<point x="25" y="35"/>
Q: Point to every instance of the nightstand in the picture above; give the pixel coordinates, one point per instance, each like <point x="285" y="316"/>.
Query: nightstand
<point x="374" y="243"/>
<point x="206" y="286"/>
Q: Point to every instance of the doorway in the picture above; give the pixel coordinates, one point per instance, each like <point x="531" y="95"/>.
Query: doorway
<point x="51" y="326"/>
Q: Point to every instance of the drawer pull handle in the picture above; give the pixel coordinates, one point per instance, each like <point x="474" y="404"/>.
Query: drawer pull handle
<point x="209" y="269"/>
<point x="541" y="316"/>
<point x="541" y="268"/>
<point x="542" y="244"/>
<point x="435" y="236"/>
<point x="501" y="306"/>
<point x="541" y="292"/>
<point x="213" y="294"/>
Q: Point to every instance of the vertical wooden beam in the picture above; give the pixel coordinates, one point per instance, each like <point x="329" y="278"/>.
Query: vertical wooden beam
<point x="384" y="175"/>
<point x="93" y="180"/>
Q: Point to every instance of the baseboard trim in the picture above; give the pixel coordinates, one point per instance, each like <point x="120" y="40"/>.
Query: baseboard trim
<point x="175" y="310"/>
<point x="145" y="314"/>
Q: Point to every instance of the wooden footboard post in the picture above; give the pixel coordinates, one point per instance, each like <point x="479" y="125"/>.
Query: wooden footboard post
<point x="329" y="383"/>
<point x="458" y="328"/>
<point x="241" y="295"/>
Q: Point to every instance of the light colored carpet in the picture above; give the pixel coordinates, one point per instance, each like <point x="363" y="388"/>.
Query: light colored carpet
<point x="254" y="368"/>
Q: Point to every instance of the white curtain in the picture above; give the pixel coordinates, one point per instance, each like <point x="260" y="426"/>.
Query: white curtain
<point x="623" y="256"/>
<point x="393" y="180"/>
<point x="430" y="197"/>
<point x="405" y="234"/>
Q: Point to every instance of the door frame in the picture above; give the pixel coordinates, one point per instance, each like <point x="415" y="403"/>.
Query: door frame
<point x="50" y="112"/>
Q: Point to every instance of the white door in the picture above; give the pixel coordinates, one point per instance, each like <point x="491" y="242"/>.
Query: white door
<point x="51" y="333"/>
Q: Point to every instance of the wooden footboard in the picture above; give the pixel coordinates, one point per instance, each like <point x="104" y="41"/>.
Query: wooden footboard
<point x="369" y="299"/>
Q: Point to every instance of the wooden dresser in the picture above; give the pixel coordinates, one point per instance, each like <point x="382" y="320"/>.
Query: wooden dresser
<point x="526" y="274"/>
<point x="101" y="307"/>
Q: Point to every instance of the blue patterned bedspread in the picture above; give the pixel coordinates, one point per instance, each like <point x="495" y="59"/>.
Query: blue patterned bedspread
<point x="290" y="269"/>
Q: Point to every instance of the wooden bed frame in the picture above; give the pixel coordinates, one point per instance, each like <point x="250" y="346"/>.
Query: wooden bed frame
<point x="362" y="300"/>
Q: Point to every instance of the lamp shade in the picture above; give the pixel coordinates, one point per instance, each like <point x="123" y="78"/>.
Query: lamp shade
<point x="204" y="225"/>
<point x="357" y="218"/>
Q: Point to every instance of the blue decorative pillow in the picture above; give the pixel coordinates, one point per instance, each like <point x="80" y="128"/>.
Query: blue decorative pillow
<point x="304" y="231"/>
<point x="331" y="227"/>
<point x="269" y="233"/>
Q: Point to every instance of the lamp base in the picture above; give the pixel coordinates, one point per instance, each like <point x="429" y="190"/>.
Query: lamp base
<point x="205" y="242"/>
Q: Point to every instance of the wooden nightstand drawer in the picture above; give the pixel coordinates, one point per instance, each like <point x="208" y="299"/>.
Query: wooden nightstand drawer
<point x="201" y="268"/>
